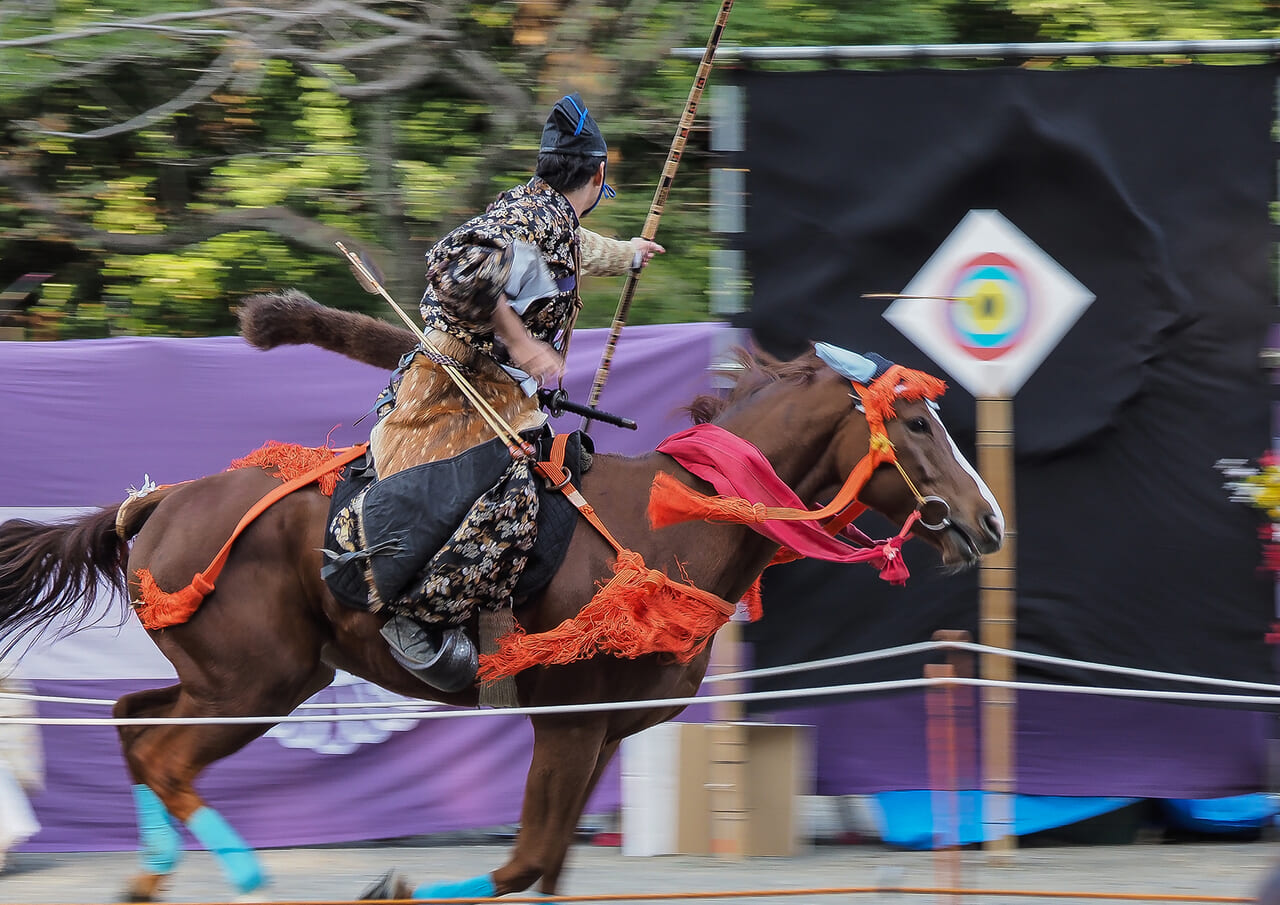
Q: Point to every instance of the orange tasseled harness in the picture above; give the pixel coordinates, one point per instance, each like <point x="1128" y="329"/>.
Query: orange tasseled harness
<point x="297" y="466"/>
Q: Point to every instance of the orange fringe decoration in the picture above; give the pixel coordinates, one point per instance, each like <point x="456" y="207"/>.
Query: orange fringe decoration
<point x="640" y="611"/>
<point x="754" y="600"/>
<point x="671" y="502"/>
<point x="896" y="383"/>
<point x="784" y="555"/>
<point x="291" y="460"/>
<point x="159" y="609"/>
<point x="299" y="466"/>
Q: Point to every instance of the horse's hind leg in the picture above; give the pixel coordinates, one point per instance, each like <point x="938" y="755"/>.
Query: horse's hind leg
<point x="164" y="762"/>
<point x="159" y="845"/>
<point x="167" y="759"/>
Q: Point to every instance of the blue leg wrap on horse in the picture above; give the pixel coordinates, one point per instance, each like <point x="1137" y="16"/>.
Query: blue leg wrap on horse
<point x="237" y="858"/>
<point x="159" y="846"/>
<point x="481" y="887"/>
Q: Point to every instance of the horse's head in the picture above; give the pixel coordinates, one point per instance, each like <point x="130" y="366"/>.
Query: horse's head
<point x="914" y="464"/>
<point x="843" y="429"/>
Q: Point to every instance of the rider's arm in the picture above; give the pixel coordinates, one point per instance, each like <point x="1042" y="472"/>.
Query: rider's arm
<point x="465" y="277"/>
<point x="530" y="355"/>
<point x="602" y="256"/>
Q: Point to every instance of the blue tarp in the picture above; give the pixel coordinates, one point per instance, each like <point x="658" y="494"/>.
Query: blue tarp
<point x="924" y="819"/>
<point x="920" y="819"/>
<point x="1237" y="814"/>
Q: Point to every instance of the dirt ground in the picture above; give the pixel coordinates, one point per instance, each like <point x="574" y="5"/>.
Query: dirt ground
<point x="1211" y="869"/>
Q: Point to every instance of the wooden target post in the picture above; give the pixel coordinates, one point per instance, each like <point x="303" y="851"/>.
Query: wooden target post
<point x="989" y="306"/>
<point x="997" y="610"/>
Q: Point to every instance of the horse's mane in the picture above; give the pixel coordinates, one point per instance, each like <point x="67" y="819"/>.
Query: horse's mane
<point x="751" y="371"/>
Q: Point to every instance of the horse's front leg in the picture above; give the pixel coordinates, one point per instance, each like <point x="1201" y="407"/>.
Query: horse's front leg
<point x="565" y="766"/>
<point x="553" y="866"/>
<point x="569" y="753"/>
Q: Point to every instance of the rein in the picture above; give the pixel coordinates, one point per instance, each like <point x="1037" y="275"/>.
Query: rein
<point x="671" y="501"/>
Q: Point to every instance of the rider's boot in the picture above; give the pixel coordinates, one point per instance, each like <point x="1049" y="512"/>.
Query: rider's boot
<point x="444" y="658"/>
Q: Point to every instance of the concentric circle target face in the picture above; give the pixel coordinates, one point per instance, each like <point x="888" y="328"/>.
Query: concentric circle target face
<point x="996" y="306"/>
<point x="989" y="305"/>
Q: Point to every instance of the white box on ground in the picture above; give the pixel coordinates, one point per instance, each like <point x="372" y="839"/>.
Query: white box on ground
<point x="650" y="771"/>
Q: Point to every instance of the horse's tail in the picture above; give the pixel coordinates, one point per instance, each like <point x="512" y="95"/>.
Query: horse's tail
<point x="55" y="571"/>
<point x="293" y="318"/>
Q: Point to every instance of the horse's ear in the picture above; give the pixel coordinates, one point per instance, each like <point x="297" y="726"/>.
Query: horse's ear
<point x="850" y="365"/>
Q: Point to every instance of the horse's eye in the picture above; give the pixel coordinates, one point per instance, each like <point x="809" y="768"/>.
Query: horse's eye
<point x="918" y="425"/>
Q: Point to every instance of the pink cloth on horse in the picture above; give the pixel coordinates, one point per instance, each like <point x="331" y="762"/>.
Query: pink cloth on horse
<point x="736" y="467"/>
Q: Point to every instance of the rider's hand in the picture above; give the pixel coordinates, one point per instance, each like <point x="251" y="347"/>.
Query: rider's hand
<point x="643" y="250"/>
<point x="538" y="360"/>
<point x="534" y="357"/>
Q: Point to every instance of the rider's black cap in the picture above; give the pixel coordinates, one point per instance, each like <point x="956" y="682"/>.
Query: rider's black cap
<point x="571" y="130"/>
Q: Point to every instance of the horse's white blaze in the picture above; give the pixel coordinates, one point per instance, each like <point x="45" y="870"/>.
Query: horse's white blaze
<point x="964" y="463"/>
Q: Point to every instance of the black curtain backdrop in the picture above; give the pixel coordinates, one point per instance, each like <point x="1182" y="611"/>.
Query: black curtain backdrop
<point x="1151" y="187"/>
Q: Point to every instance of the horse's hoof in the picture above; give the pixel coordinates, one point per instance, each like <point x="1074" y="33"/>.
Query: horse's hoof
<point x="144" y="888"/>
<point x="390" y="886"/>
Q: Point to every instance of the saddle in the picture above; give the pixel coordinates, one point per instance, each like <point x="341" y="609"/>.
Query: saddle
<point x="436" y="541"/>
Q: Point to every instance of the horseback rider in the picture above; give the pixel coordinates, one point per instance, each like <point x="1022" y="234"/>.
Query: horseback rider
<point x="503" y="289"/>
<point x="501" y="299"/>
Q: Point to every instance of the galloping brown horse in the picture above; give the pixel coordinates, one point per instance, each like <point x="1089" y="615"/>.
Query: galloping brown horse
<point x="270" y="635"/>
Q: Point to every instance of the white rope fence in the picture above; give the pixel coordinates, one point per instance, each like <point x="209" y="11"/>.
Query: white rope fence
<point x="427" y="711"/>
<point x="318" y="705"/>
<point x="927" y="646"/>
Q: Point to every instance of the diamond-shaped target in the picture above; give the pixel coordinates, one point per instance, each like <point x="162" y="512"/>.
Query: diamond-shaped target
<point x="989" y="305"/>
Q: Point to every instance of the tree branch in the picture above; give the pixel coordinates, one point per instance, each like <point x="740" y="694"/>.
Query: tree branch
<point x="480" y="77"/>
<point x="407" y="76"/>
<point x="368" y="48"/>
<point x="107" y="28"/>
<point x="281" y="221"/>
<point x="212" y="78"/>
<point x="311" y="13"/>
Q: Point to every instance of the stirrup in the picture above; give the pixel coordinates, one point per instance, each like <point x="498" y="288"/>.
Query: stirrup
<point x="446" y="660"/>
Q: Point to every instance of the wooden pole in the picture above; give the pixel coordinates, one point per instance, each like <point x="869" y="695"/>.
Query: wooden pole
<point x="726" y="774"/>
<point x="659" y="204"/>
<point x="965" y="714"/>
<point x="998" y="628"/>
<point x="940" y="740"/>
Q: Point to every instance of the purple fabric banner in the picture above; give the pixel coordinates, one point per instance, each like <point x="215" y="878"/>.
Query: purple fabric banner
<point x="1067" y="744"/>
<point x="95" y="415"/>
<point x="415" y="778"/>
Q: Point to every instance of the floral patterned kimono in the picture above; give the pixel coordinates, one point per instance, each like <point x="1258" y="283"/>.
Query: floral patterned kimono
<point x="467" y="272"/>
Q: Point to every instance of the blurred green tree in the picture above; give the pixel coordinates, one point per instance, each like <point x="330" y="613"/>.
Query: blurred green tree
<point x="163" y="158"/>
